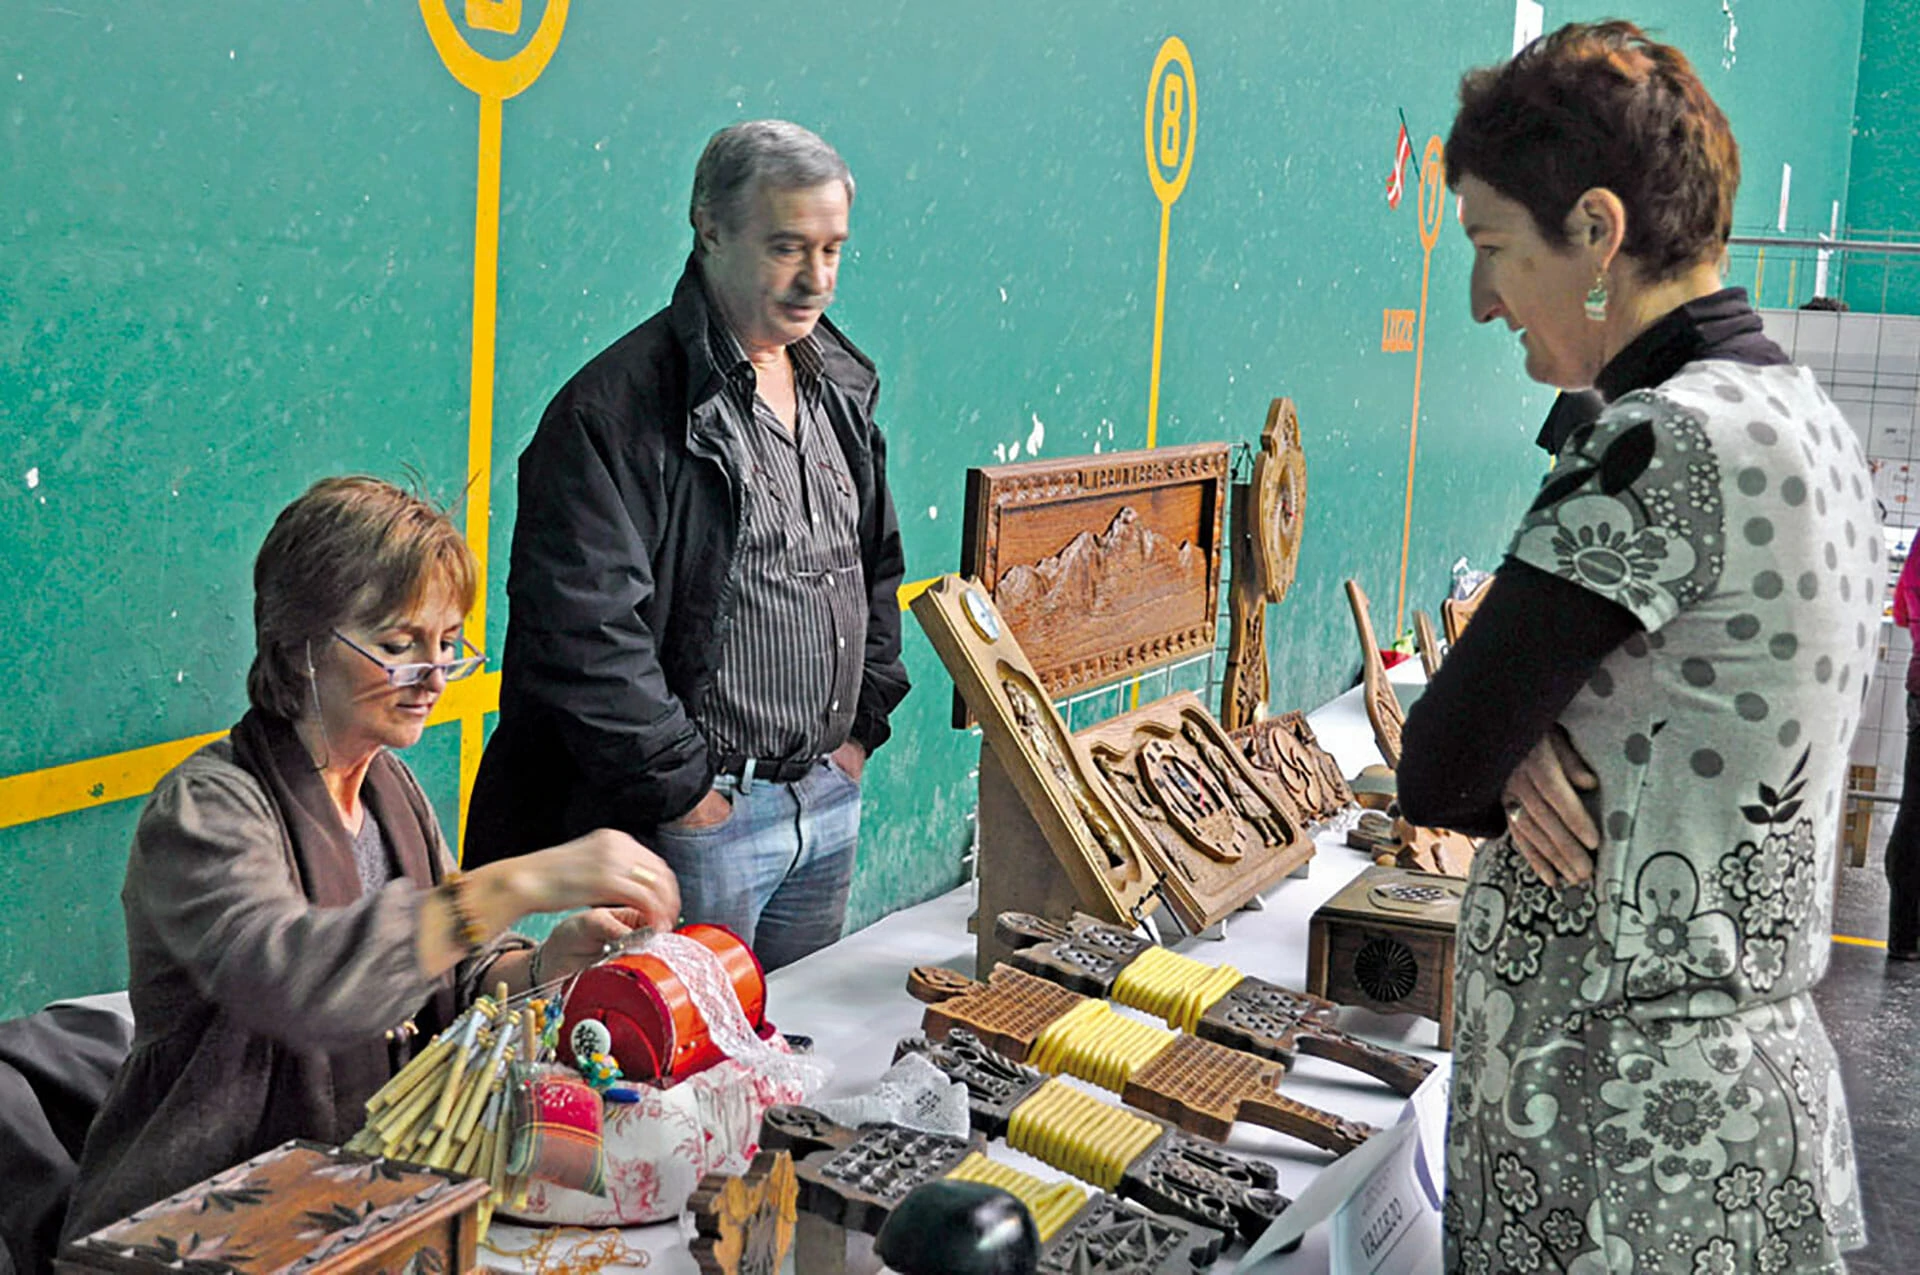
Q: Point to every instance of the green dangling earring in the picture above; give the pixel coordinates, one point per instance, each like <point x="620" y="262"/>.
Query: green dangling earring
<point x="1596" y="303"/>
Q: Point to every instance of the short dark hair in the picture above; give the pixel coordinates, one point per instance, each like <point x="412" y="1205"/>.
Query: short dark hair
<point x="1600" y="104"/>
<point x="348" y="551"/>
<point x="742" y="156"/>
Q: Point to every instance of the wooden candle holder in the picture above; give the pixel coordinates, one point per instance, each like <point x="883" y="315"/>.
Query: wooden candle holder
<point x="1387" y="942"/>
<point x="853" y="1179"/>
<point x="1253" y="1015"/>
<point x="1196" y="1084"/>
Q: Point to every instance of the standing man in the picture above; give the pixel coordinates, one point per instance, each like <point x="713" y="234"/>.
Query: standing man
<point x="703" y="643"/>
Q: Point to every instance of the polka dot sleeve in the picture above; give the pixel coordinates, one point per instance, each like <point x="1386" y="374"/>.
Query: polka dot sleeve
<point x="1632" y="510"/>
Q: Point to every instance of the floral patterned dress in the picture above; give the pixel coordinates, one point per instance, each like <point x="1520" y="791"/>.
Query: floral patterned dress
<point x="1641" y="1081"/>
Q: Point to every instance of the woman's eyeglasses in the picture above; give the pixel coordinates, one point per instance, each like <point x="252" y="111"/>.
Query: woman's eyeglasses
<point x="414" y="674"/>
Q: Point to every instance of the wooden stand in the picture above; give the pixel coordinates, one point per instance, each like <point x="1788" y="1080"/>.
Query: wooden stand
<point x="1018" y="870"/>
<point x="1386" y="942"/>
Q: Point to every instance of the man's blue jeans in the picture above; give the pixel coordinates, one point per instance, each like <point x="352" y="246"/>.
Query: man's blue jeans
<point x="776" y="871"/>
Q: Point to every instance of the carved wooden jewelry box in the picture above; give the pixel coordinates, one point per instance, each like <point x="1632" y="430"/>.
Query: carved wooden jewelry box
<point x="299" y="1209"/>
<point x="1386" y="942"/>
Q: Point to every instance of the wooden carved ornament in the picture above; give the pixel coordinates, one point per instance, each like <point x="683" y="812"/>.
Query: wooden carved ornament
<point x="1280" y="498"/>
<point x="744" y="1225"/>
<point x="1383" y="707"/>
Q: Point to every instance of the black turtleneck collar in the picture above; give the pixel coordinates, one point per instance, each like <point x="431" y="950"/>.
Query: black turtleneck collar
<point x="1720" y="325"/>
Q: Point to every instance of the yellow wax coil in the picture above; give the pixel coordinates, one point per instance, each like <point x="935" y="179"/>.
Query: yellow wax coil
<point x="1077" y="1133"/>
<point x="1094" y="1043"/>
<point x="1173" y="987"/>
<point x="1051" y="1203"/>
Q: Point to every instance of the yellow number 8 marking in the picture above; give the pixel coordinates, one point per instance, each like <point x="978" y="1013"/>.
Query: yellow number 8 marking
<point x="1171" y="119"/>
<point x="1173" y="99"/>
<point x="497" y="78"/>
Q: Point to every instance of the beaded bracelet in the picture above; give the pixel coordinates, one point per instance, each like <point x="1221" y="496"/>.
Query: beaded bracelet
<point x="466" y="931"/>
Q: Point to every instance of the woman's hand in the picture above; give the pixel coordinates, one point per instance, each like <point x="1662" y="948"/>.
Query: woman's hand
<point x="583" y="938"/>
<point x="605" y="869"/>
<point x="1546" y="819"/>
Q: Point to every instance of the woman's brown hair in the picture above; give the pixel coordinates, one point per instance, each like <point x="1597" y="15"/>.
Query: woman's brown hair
<point x="1600" y="104"/>
<point x="351" y="550"/>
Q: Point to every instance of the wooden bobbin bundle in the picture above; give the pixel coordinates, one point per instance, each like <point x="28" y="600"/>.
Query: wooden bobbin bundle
<point x="1215" y="1003"/>
<point x="1137" y="1156"/>
<point x="855" y="1178"/>
<point x="448" y="1108"/>
<point x="1199" y="1085"/>
<point x="655" y="1029"/>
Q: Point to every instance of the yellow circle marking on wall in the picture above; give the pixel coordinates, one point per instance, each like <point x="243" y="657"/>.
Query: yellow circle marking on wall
<point x="1171" y="121"/>
<point x="497" y="78"/>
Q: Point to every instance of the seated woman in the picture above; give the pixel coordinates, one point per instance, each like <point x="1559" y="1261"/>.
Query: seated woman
<point x="1651" y="712"/>
<point x="295" y="928"/>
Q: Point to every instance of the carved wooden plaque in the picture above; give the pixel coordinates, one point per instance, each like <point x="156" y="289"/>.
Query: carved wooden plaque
<point x="1454" y="614"/>
<point x="1094" y="838"/>
<point x="1285" y="750"/>
<point x="1101" y="565"/>
<point x="1383" y="707"/>
<point x="1220" y="834"/>
<point x="1280" y="498"/>
<point x="1430" y="652"/>
<point x="744" y="1225"/>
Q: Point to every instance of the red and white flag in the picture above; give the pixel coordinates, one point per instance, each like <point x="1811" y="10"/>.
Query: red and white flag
<point x="1396" y="182"/>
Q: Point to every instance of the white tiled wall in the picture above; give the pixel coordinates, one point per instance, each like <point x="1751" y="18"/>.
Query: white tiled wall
<point x="1870" y="365"/>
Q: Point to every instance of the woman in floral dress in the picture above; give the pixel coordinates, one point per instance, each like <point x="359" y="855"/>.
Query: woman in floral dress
<point x="1651" y="713"/>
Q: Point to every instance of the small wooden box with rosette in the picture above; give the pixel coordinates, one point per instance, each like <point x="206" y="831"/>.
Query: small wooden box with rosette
<point x="1386" y="942"/>
<point x="299" y="1209"/>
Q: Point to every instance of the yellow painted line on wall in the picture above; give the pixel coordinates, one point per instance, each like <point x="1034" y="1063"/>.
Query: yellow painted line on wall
<point x="1854" y="942"/>
<point x="914" y="588"/>
<point x="1171" y="126"/>
<point x="1433" y="202"/>
<point x="100" y="781"/>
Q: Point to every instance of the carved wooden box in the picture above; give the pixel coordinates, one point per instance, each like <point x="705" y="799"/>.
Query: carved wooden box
<point x="1220" y="834"/>
<point x="1386" y="942"/>
<point x="299" y="1209"/>
<point x="1101" y="565"/>
<point x="1093" y="837"/>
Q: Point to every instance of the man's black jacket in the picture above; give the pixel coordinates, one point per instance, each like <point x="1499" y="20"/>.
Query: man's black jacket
<point x="622" y="583"/>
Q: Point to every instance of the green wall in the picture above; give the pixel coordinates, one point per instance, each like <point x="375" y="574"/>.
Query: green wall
<point x="237" y="255"/>
<point x="1883" y="195"/>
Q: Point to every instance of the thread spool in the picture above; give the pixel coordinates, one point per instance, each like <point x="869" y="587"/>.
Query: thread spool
<point x="656" y="1030"/>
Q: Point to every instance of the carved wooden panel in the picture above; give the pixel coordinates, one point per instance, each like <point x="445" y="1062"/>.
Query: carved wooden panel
<point x="1430" y="652"/>
<point x="1220" y="835"/>
<point x="1280" y="498"/>
<point x="1383" y="708"/>
<point x="1288" y="753"/>
<point x="1101" y="565"/>
<point x="1092" y="836"/>
<point x="1454" y="614"/>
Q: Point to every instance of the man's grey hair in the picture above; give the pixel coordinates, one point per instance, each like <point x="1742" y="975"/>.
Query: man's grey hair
<point x="741" y="157"/>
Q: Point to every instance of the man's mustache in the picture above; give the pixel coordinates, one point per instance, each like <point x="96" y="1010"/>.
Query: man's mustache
<point x="818" y="300"/>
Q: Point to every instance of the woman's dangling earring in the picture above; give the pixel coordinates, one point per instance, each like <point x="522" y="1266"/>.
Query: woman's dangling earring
<point x="1596" y="303"/>
<point x="319" y="718"/>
